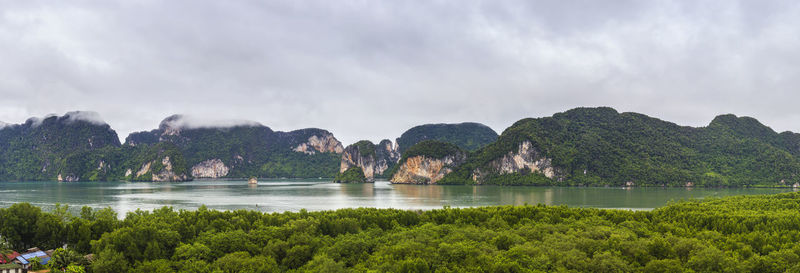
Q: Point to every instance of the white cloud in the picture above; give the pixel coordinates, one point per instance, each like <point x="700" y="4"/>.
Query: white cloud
<point x="191" y="122"/>
<point x="87" y="116"/>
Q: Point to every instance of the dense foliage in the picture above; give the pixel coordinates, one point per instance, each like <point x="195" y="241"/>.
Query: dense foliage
<point x="351" y="175"/>
<point x="599" y="146"/>
<point x="469" y="136"/>
<point x="432" y="149"/>
<point x="365" y="147"/>
<point x="734" y="234"/>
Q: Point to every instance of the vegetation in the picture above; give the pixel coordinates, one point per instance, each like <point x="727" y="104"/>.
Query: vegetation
<point x="469" y="136"/>
<point x="599" y="146"/>
<point x="351" y="175"/>
<point x="365" y="147"/>
<point x="432" y="149"/>
<point x="734" y="234"/>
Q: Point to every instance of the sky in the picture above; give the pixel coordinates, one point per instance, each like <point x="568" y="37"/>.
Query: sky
<point x="372" y="69"/>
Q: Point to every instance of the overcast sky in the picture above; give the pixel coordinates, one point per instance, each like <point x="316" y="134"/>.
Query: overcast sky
<point x="372" y="69"/>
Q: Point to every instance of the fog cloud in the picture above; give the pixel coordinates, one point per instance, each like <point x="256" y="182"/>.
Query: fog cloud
<point x="193" y="122"/>
<point x="372" y="69"/>
<point x="87" y="116"/>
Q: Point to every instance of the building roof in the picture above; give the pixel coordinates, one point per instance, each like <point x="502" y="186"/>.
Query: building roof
<point x="27" y="256"/>
<point x="34" y="254"/>
<point x="11" y="257"/>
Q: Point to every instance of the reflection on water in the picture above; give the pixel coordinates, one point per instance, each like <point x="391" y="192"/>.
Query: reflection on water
<point x="293" y="195"/>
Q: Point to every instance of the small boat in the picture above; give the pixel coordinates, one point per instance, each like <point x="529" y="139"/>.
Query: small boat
<point x="252" y="181"/>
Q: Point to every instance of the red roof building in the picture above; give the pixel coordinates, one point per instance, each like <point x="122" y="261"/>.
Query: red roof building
<point x="11" y="257"/>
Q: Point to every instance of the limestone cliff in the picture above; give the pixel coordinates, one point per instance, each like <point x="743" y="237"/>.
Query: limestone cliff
<point x="373" y="160"/>
<point x="159" y="171"/>
<point x="426" y="170"/>
<point x="427" y="162"/>
<point x="525" y="158"/>
<point x="324" y="143"/>
<point x="212" y="168"/>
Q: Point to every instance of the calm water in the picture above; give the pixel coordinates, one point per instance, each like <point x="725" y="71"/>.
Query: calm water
<point x="293" y="195"/>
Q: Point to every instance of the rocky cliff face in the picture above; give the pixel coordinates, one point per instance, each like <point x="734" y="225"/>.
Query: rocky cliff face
<point x="373" y="160"/>
<point x="68" y="178"/>
<point x="158" y="171"/>
<point x="426" y="170"/>
<point x="325" y="143"/>
<point x="167" y="174"/>
<point x="386" y="149"/>
<point x="526" y="157"/>
<point x="212" y="168"/>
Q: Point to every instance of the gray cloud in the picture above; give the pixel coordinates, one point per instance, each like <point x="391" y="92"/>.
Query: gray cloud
<point x="371" y="69"/>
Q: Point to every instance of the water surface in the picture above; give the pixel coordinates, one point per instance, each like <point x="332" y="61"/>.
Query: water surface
<point x="293" y="195"/>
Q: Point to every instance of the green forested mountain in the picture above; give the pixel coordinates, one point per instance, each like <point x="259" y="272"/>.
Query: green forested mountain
<point x="469" y="136"/>
<point x="733" y="234"/>
<point x="583" y="146"/>
<point x="38" y="149"/>
<point x="80" y="146"/>
<point x="247" y="150"/>
<point x="599" y="146"/>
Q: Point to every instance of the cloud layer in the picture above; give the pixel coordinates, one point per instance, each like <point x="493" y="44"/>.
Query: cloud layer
<point x="372" y="69"/>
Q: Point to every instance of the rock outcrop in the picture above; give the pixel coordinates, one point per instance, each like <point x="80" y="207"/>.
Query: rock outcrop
<point x="525" y="158"/>
<point x="68" y="178"/>
<point x="325" y="143"/>
<point x="212" y="168"/>
<point x="426" y="170"/>
<point x="373" y="160"/>
<point x="163" y="172"/>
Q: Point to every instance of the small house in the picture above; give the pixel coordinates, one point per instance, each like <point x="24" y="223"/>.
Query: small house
<point x="25" y="258"/>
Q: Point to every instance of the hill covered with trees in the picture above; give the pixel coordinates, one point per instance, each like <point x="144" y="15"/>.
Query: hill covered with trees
<point x="733" y="234"/>
<point x="247" y="149"/>
<point x="79" y="146"/>
<point x="600" y="146"/>
<point x="582" y="146"/>
<point x="469" y="135"/>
